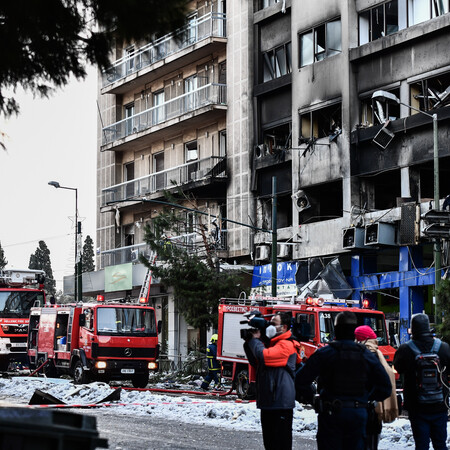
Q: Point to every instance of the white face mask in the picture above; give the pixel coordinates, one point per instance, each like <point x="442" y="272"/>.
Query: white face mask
<point x="271" y="331"/>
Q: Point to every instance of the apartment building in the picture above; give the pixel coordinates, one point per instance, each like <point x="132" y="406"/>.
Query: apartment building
<point x="252" y="90"/>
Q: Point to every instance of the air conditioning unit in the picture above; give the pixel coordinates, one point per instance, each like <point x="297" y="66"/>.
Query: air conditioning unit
<point x="353" y="237"/>
<point x="283" y="250"/>
<point x="261" y="150"/>
<point x="379" y="233"/>
<point x="262" y="252"/>
<point x="301" y="201"/>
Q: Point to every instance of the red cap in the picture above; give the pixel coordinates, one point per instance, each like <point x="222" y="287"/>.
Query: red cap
<point x="364" y="332"/>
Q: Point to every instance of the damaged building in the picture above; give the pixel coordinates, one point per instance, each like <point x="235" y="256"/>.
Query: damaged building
<point x="252" y="90"/>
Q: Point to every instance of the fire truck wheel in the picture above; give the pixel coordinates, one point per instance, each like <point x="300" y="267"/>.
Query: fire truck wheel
<point x="48" y="370"/>
<point x="243" y="385"/>
<point x="140" y="380"/>
<point x="80" y="376"/>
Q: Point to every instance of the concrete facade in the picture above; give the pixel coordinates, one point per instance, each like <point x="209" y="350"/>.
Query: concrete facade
<point x="284" y="89"/>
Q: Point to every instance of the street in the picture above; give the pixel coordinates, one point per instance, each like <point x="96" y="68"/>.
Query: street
<point x="125" y="432"/>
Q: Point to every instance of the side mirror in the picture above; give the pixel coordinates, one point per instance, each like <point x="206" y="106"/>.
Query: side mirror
<point x="159" y="326"/>
<point x="82" y="320"/>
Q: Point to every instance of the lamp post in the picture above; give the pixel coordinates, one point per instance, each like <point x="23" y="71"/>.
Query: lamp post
<point x="78" y="284"/>
<point x="384" y="95"/>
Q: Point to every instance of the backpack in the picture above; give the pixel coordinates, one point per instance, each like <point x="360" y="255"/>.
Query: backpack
<point x="428" y="374"/>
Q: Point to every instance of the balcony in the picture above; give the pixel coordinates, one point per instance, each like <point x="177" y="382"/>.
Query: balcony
<point x="191" y="242"/>
<point x="170" y="113"/>
<point x="205" y="29"/>
<point x="202" y="170"/>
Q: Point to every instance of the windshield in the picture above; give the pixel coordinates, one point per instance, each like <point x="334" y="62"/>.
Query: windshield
<point x="374" y="321"/>
<point x="126" y="321"/>
<point x="18" y="303"/>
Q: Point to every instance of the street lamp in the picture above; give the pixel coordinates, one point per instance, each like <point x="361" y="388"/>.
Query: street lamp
<point x="384" y="95"/>
<point x="78" y="277"/>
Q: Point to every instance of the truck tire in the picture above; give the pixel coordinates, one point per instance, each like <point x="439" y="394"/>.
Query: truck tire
<point x="49" y="370"/>
<point x="244" y="389"/>
<point x="140" y="380"/>
<point x="80" y="376"/>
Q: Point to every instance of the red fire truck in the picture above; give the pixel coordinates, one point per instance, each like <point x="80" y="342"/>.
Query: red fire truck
<point x="95" y="341"/>
<point x="313" y="326"/>
<point x="19" y="291"/>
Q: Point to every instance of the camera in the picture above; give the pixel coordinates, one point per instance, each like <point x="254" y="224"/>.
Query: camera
<point x="256" y="321"/>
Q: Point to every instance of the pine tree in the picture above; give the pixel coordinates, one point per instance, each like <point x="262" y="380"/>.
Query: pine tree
<point x="87" y="260"/>
<point x="3" y="261"/>
<point x="40" y="260"/>
<point x="194" y="277"/>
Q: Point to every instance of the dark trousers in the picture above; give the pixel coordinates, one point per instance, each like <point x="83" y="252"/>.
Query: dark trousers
<point x="276" y="427"/>
<point x="212" y="375"/>
<point x="345" y="430"/>
<point x="429" y="426"/>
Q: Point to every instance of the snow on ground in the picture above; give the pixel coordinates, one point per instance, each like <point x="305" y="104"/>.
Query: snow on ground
<point x="201" y="410"/>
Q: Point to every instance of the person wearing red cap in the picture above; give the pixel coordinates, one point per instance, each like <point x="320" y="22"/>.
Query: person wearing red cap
<point x="387" y="410"/>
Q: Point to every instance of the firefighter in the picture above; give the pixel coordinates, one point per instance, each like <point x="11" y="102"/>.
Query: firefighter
<point x="348" y="377"/>
<point x="213" y="364"/>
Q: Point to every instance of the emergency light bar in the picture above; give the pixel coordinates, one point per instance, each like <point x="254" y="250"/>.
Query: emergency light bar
<point x="311" y="301"/>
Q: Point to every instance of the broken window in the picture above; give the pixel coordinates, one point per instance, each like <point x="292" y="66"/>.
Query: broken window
<point x="431" y="92"/>
<point x="379" y="21"/>
<point x="321" y="42"/>
<point x="324" y="122"/>
<point x="278" y="138"/>
<point x="267" y="3"/>
<point x="277" y="62"/>
<point x="422" y="10"/>
<point x="375" y="112"/>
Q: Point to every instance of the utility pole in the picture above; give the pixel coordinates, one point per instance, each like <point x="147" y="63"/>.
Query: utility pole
<point x="274" y="236"/>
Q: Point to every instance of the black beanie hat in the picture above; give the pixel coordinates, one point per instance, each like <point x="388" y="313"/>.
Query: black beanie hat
<point x="420" y="325"/>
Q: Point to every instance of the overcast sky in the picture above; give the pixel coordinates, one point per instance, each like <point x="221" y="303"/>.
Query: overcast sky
<point x="51" y="139"/>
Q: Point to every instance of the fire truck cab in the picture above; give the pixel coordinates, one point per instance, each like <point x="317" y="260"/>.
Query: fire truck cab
<point x="20" y="289"/>
<point x="312" y="325"/>
<point x="95" y="341"/>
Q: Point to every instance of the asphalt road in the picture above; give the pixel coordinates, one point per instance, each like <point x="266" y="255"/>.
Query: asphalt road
<point x="147" y="433"/>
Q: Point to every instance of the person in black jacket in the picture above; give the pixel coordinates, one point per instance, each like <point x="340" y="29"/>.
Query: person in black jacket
<point x="428" y="420"/>
<point x="275" y="390"/>
<point x="348" y="377"/>
<point x="213" y="364"/>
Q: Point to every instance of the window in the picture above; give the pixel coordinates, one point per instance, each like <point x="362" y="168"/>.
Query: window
<point x="324" y="122"/>
<point x="159" y="109"/>
<point x="431" y="92"/>
<point x="379" y="21"/>
<point x="191" y="151"/>
<point x="129" y="53"/>
<point x="320" y="42"/>
<point x="267" y="3"/>
<point x="128" y="175"/>
<point x="129" y="116"/>
<point x="158" y="166"/>
<point x="421" y="10"/>
<point x="222" y="143"/>
<point x="190" y="86"/>
<point x="277" y="62"/>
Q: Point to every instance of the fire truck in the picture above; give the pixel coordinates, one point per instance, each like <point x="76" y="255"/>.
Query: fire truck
<point x="20" y="289"/>
<point x="313" y="326"/>
<point x="95" y="341"/>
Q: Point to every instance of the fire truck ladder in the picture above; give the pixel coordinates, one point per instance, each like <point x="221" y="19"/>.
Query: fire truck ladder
<point x="145" y="289"/>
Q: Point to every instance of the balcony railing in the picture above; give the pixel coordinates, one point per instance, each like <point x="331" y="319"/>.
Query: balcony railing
<point x="124" y="255"/>
<point x="211" y="94"/>
<point x="209" y="25"/>
<point x="191" y="242"/>
<point x="212" y="167"/>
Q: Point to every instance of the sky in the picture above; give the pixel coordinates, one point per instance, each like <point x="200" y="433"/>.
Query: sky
<point x="52" y="139"/>
<point x="230" y="414"/>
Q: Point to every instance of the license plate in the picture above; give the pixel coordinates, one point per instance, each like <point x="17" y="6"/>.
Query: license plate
<point x="127" y="371"/>
<point x="19" y="344"/>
